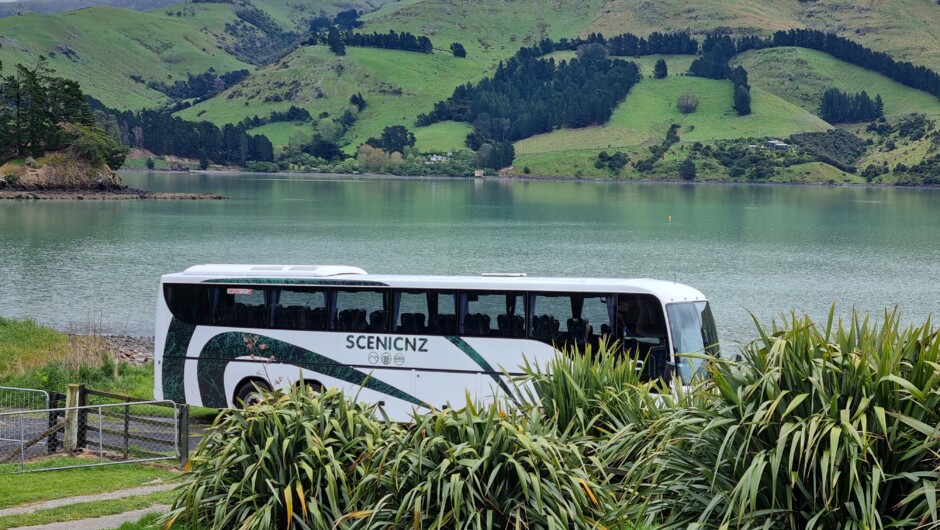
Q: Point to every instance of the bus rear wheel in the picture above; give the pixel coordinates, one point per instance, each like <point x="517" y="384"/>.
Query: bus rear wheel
<point x="250" y="392"/>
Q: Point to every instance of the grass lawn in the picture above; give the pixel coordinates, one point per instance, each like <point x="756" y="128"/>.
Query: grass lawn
<point x="88" y="510"/>
<point x="26" y="488"/>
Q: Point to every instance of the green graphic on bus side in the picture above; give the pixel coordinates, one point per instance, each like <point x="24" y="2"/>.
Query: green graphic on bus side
<point x="481" y="362"/>
<point x="224" y="347"/>
<point x="174" y="359"/>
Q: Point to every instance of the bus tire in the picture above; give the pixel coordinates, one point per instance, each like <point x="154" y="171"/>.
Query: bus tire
<point x="314" y="385"/>
<point x="247" y="394"/>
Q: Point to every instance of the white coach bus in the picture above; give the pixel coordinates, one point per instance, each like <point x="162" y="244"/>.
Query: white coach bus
<point x="403" y="341"/>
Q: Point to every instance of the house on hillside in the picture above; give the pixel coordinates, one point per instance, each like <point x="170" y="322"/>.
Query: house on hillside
<point x="777" y="144"/>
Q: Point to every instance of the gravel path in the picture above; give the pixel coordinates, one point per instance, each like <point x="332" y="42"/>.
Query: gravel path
<point x="100" y="523"/>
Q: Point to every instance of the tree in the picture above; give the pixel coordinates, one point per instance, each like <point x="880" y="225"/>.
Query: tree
<point x="149" y="163"/>
<point x="687" y="103"/>
<point x="335" y="41"/>
<point x="458" y="50"/>
<point x="357" y="100"/>
<point x="394" y="139"/>
<point x="742" y="100"/>
<point x="687" y="169"/>
<point x="372" y="159"/>
<point x="660" y="71"/>
<point x="321" y="148"/>
<point x="592" y="52"/>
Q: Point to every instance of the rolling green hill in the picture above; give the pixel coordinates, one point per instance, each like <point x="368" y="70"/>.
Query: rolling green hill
<point x="646" y="115"/>
<point x="397" y="86"/>
<point x="906" y="29"/>
<point x="153" y="46"/>
<point x="801" y="76"/>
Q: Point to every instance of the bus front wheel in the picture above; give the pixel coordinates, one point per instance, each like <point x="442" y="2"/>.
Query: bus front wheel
<point x="250" y="392"/>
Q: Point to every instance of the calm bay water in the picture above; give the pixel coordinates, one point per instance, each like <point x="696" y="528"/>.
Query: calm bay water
<point x="752" y="249"/>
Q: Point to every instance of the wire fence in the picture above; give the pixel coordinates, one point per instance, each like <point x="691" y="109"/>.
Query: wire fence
<point x="103" y="433"/>
<point x="31" y="408"/>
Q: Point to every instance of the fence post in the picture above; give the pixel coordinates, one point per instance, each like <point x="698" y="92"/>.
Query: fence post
<point x="70" y="436"/>
<point x="52" y="443"/>
<point x="82" y="440"/>
<point x="182" y="430"/>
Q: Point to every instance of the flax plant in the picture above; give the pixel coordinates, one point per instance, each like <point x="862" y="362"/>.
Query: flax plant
<point x="815" y="428"/>
<point x="298" y="459"/>
<point x="590" y="393"/>
<point x="486" y="467"/>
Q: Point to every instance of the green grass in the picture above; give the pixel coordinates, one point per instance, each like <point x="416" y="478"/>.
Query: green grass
<point x="800" y="75"/>
<point x="25" y="346"/>
<point x="644" y="118"/>
<point x="319" y="84"/>
<point x="280" y="133"/>
<point x="905" y="29"/>
<point x="110" y="44"/>
<point x="488" y="30"/>
<point x="147" y="522"/>
<point x="448" y="136"/>
<point x="25" y="488"/>
<point x="87" y="510"/>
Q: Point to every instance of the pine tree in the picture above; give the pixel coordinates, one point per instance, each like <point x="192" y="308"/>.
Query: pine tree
<point x="687" y="169"/>
<point x="742" y="100"/>
<point x="661" y="70"/>
<point x="335" y="41"/>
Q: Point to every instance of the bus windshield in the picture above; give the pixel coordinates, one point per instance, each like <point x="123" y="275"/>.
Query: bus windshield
<point x="693" y="331"/>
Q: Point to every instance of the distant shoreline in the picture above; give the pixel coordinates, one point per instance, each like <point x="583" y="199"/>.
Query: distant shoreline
<point x="535" y="178"/>
<point x="121" y="194"/>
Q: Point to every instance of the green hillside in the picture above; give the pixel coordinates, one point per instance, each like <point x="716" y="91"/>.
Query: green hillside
<point x="153" y="46"/>
<point x="801" y="76"/>
<point x="489" y="30"/>
<point x="646" y="115"/>
<point x="397" y="86"/>
<point x="906" y="29"/>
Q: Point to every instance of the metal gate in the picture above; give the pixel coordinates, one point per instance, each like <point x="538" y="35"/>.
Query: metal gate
<point x="55" y="437"/>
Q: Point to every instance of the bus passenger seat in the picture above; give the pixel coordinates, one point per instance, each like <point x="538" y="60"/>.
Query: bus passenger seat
<point x="419" y="323"/>
<point x="407" y="323"/>
<point x="284" y="317"/>
<point x="378" y="320"/>
<point x="315" y="318"/>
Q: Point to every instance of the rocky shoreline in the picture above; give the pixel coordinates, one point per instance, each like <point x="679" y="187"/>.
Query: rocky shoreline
<point x="118" y="194"/>
<point x="134" y="350"/>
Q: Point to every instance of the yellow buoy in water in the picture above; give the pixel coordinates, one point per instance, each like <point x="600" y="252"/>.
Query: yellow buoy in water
<point x="669" y="218"/>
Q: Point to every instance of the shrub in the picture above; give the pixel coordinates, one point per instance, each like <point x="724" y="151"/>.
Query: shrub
<point x="488" y="468"/>
<point x="298" y="457"/>
<point x="833" y="427"/>
<point x="687" y="103"/>
<point x="573" y="388"/>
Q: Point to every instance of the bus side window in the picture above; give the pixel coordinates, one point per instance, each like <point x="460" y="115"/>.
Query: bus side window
<point x="424" y="312"/>
<point x="188" y="302"/>
<point x="571" y="319"/>
<point x="300" y="308"/>
<point x="492" y="314"/>
<point x="237" y="306"/>
<point x="362" y="310"/>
